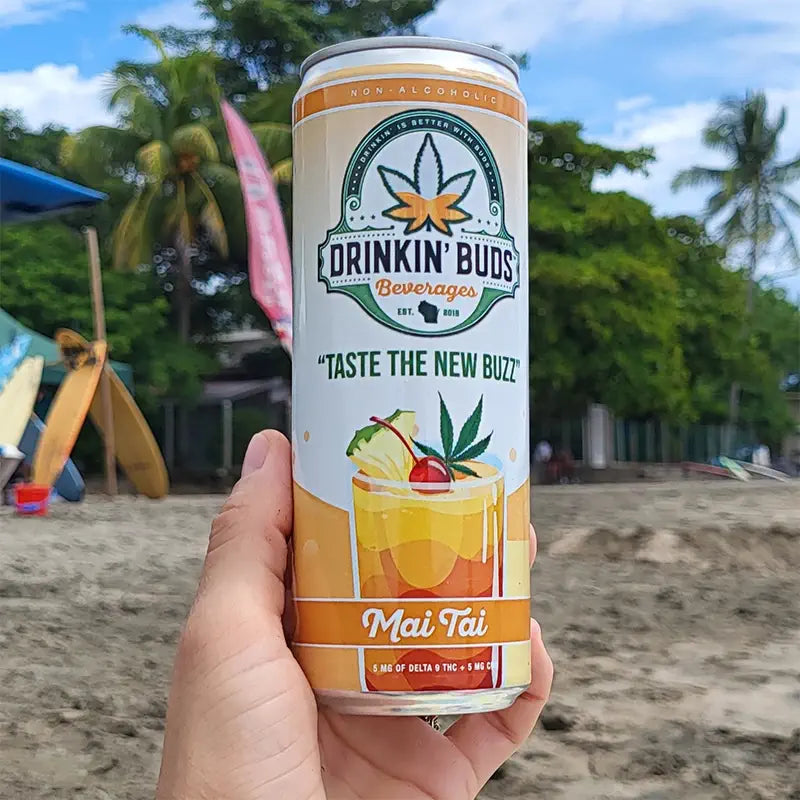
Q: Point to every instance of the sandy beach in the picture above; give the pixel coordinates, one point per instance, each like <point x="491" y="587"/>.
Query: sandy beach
<point x="672" y="613"/>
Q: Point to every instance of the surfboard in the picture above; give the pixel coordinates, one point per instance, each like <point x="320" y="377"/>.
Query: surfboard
<point x="17" y="399"/>
<point x="11" y="354"/>
<point x="68" y="411"/>
<point x="765" y="472"/>
<point x="10" y="458"/>
<point x="69" y="484"/>
<point x="735" y="470"/>
<point x="706" y="469"/>
<point x="137" y="450"/>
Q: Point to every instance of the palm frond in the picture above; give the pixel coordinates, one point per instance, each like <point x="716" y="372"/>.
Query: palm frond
<point x="717" y="203"/>
<point x="211" y="217"/>
<point x="785" y="228"/>
<point x="779" y="124"/>
<point x="788" y="171"/>
<point x="195" y="140"/>
<point x="137" y="107"/>
<point x="148" y="35"/>
<point x="733" y="230"/>
<point x="131" y="242"/>
<point x="120" y="94"/>
<point x="146" y="117"/>
<point x="274" y="139"/>
<point x="792" y="204"/>
<point x="272" y="105"/>
<point x="94" y="154"/>
<point x="154" y="161"/>
<point x="699" y="176"/>
<point x="282" y="172"/>
<point x="720" y="135"/>
<point x="216" y="174"/>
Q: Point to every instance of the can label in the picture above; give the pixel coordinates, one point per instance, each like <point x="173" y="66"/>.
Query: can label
<point x="436" y="255"/>
<point x="410" y="409"/>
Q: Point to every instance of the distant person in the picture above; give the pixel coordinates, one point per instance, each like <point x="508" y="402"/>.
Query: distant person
<point x="564" y="465"/>
<point x="761" y="456"/>
<point x="542" y="454"/>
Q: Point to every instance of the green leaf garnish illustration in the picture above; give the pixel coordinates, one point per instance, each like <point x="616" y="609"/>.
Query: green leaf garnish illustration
<point x="427" y="451"/>
<point x="445" y="428"/>
<point x="466" y="448"/>
<point x="471" y="427"/>
<point x="464" y="470"/>
<point x="475" y="450"/>
<point x="428" y="200"/>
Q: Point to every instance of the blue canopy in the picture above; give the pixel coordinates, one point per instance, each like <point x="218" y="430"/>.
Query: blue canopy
<point x="27" y="193"/>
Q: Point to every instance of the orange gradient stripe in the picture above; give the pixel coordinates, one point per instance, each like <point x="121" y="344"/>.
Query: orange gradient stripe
<point x="409" y="90"/>
<point x="323" y="622"/>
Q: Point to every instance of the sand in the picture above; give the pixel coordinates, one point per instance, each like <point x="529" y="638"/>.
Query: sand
<point x="672" y="613"/>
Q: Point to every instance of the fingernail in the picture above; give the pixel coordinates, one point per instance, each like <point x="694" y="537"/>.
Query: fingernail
<point x="256" y="454"/>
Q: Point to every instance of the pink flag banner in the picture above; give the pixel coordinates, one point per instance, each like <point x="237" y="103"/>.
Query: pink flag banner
<point x="268" y="249"/>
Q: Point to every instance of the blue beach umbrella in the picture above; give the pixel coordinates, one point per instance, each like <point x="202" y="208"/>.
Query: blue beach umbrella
<point x="27" y="194"/>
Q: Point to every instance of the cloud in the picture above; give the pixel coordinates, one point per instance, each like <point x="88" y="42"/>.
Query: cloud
<point x="675" y="134"/>
<point x="180" y="13"/>
<point x="522" y="24"/>
<point x="634" y="103"/>
<point x="515" y="24"/>
<point x="32" y="12"/>
<point x="53" y="93"/>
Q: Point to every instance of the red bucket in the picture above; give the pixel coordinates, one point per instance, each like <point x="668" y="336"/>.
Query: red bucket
<point x="31" y="500"/>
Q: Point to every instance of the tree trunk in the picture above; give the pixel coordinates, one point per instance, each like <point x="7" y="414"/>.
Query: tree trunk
<point x="734" y="399"/>
<point x="183" y="292"/>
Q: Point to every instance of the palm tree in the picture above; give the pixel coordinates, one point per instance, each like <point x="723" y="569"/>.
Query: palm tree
<point x="183" y="188"/>
<point x="750" y="203"/>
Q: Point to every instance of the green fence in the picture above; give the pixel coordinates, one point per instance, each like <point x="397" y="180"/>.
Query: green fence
<point x="653" y="441"/>
<point x="650" y="441"/>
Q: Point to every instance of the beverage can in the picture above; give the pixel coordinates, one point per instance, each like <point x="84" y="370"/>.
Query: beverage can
<point x="410" y="378"/>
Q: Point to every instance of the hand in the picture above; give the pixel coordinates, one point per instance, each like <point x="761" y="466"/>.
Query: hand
<point x="243" y="723"/>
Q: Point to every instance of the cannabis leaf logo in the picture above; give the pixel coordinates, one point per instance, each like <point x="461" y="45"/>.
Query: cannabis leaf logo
<point x="465" y="448"/>
<point x="428" y="201"/>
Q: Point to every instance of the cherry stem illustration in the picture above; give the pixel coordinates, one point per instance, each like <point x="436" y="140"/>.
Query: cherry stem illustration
<point x="390" y="427"/>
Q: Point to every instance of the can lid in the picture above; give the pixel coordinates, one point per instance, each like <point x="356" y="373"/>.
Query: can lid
<point x="387" y="42"/>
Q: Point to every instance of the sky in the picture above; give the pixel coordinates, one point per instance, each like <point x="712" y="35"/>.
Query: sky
<point x="634" y="72"/>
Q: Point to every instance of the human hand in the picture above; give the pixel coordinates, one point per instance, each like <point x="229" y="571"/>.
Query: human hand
<point x="243" y="723"/>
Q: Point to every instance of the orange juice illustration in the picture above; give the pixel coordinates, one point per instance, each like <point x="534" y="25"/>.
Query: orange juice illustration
<point x="410" y="378"/>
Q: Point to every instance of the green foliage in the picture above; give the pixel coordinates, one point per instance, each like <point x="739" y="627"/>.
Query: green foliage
<point x="750" y="203"/>
<point x="636" y="312"/>
<point x="45" y="285"/>
<point x="173" y="160"/>
<point x="604" y="304"/>
<point x="270" y="38"/>
<point x="19" y="143"/>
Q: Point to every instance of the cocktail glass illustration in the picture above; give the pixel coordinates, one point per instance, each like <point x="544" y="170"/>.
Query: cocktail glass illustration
<point x="428" y="522"/>
<point x="414" y="543"/>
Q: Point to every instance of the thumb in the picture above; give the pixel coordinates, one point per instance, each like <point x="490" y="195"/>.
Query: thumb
<point x="246" y="558"/>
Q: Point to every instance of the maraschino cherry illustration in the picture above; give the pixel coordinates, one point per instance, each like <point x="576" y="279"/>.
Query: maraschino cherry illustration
<point x="428" y="469"/>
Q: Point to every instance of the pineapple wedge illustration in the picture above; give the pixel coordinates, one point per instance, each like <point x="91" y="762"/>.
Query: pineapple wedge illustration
<point x="378" y="453"/>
